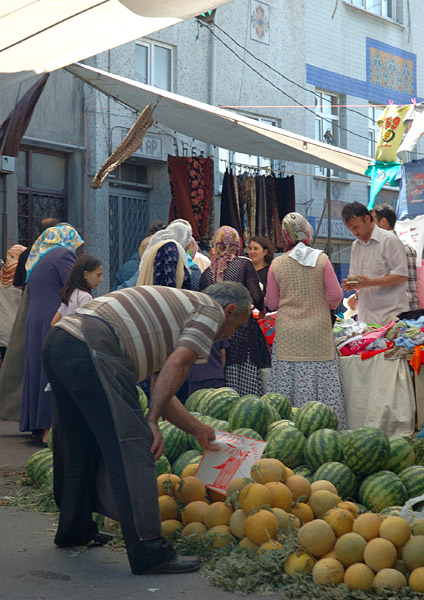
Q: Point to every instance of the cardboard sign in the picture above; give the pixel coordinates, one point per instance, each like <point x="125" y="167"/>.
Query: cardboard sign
<point x="236" y="456"/>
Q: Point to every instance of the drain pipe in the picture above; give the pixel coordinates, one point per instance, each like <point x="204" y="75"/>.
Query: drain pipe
<point x="212" y="77"/>
<point x="4" y="218"/>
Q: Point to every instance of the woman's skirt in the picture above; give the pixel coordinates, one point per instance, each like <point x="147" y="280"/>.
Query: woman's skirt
<point x="307" y="381"/>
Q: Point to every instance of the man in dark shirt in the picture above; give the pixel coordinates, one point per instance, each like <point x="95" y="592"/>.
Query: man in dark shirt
<point x="20" y="273"/>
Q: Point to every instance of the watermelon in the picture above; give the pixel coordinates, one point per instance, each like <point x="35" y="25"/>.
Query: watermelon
<point x="381" y="490"/>
<point x="188" y="457"/>
<point x="274" y="414"/>
<point x="143" y="399"/>
<point x="43" y="470"/>
<point x="315" y="415"/>
<point x="287" y="444"/>
<point x="33" y="461"/>
<point x="249" y="433"/>
<point x="196" y="399"/>
<point x="401" y="455"/>
<point x="413" y="479"/>
<point x="174" y="439"/>
<point x="391" y="511"/>
<point x="280" y="423"/>
<point x="250" y="411"/>
<point x="305" y="472"/>
<point x="219" y="402"/>
<point x="162" y="465"/>
<point x="280" y="402"/>
<point x="365" y="450"/>
<point x="293" y="412"/>
<point x="340" y="476"/>
<point x="323" y="446"/>
<point x="50" y="439"/>
<point x="215" y="423"/>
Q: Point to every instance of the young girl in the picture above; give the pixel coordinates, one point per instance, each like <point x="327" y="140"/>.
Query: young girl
<point x="86" y="274"/>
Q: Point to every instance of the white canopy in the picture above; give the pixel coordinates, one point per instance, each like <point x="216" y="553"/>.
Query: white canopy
<point x="45" y="35"/>
<point x="220" y="127"/>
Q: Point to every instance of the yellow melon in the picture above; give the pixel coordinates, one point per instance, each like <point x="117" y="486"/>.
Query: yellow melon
<point x="170" y="526"/>
<point x="248" y="544"/>
<point x="216" y="496"/>
<point x="303" y="512"/>
<point x="359" y="577"/>
<point x="328" y="570"/>
<point x="418" y="528"/>
<point x="321" y="501"/>
<point x="265" y="470"/>
<point x="350" y="506"/>
<point x="281" y="496"/>
<point x="389" y="578"/>
<point x="168" y="508"/>
<point x="323" y="484"/>
<point x="416" y="580"/>
<point x="261" y="526"/>
<point x="350" y="548"/>
<point x="237" y="520"/>
<point x="316" y="537"/>
<point x="190" y="489"/>
<point x="282" y="466"/>
<point x="299" y="487"/>
<point x="194" y="512"/>
<point x="396" y="530"/>
<point x="194" y="530"/>
<point x="298" y="563"/>
<point x="166" y="483"/>
<point x="235" y="486"/>
<point x="253" y="496"/>
<point x="289" y="473"/>
<point x="190" y="470"/>
<point x="217" y="513"/>
<point x="269" y="545"/>
<point x="368" y="525"/>
<point x="380" y="554"/>
<point x="282" y="517"/>
<point x="340" y="520"/>
<point x="413" y="552"/>
<point x="221" y="536"/>
<point x="294" y="522"/>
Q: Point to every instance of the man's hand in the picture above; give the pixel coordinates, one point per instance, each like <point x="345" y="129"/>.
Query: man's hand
<point x="205" y="434"/>
<point x="157" y="447"/>
<point x="363" y="282"/>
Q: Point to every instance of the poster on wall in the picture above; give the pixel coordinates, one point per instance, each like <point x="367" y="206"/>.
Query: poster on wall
<point x="259" y="22"/>
<point x="411" y="232"/>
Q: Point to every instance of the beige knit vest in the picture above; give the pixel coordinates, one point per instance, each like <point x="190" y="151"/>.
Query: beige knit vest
<point x="303" y="329"/>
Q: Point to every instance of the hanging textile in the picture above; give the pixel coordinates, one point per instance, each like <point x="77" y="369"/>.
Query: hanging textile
<point x="192" y="189"/>
<point x="229" y="206"/>
<point x="261" y="213"/>
<point x="270" y="201"/>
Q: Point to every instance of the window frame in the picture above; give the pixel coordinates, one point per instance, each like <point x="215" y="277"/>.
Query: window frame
<point x="379" y="8"/>
<point x="320" y="117"/>
<point x="151" y="45"/>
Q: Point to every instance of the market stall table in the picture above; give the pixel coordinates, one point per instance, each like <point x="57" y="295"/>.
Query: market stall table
<point x="379" y="392"/>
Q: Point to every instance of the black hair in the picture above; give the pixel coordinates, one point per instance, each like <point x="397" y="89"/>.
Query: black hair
<point x="76" y="279"/>
<point x="266" y="245"/>
<point x="45" y="223"/>
<point x="354" y="209"/>
<point x="385" y="210"/>
<point x="155" y="227"/>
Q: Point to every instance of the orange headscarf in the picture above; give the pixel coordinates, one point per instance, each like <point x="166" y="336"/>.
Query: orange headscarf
<point x="7" y="273"/>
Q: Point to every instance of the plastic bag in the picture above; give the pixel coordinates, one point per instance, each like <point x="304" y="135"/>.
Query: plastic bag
<point x="408" y="512"/>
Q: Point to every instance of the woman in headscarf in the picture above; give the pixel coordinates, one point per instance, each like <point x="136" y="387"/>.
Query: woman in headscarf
<point x="303" y="286"/>
<point x="242" y="369"/>
<point x="51" y="258"/>
<point x="165" y="261"/>
<point x="10" y="296"/>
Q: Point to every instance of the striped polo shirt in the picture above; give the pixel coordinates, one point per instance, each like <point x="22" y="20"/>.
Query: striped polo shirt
<point x="152" y="321"/>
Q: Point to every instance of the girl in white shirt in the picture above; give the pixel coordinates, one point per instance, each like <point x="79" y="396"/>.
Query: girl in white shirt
<point x="85" y="276"/>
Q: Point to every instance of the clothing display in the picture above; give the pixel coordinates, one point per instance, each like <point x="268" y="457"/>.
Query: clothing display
<point x="192" y="193"/>
<point x="411" y="189"/>
<point x="393" y="127"/>
<point x="256" y="205"/>
<point x="381" y="174"/>
<point x="415" y="120"/>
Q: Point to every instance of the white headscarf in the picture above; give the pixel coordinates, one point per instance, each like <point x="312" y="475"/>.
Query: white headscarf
<point x="178" y="231"/>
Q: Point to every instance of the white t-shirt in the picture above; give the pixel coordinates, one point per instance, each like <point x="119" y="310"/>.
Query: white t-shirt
<point x="78" y="298"/>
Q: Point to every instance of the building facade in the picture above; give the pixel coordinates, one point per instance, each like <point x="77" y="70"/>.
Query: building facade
<point x="324" y="70"/>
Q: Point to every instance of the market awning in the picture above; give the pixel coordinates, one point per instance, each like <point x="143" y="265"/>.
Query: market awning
<point x="45" y="35"/>
<point x="220" y="127"/>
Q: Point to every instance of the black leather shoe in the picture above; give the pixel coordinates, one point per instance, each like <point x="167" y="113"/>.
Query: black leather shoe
<point x="179" y="564"/>
<point x="101" y="539"/>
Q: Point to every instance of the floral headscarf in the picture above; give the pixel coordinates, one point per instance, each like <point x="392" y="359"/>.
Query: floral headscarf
<point x="7" y="273"/>
<point x="226" y="243"/>
<point x="296" y="229"/>
<point x="62" y="234"/>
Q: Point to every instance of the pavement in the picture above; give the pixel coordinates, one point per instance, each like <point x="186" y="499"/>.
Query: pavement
<point x="32" y="567"/>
